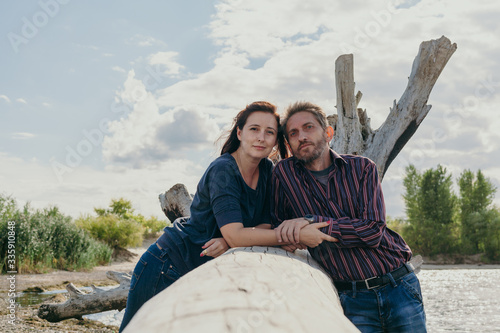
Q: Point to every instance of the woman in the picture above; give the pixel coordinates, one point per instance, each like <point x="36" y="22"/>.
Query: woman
<point x="230" y="208"/>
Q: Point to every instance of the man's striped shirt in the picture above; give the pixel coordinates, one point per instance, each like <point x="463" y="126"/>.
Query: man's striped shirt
<point x="353" y="203"/>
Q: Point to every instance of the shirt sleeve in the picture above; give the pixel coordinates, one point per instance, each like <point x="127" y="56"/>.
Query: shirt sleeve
<point x="367" y="229"/>
<point x="225" y="192"/>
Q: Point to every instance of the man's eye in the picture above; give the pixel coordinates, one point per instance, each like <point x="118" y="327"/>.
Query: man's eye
<point x="292" y="134"/>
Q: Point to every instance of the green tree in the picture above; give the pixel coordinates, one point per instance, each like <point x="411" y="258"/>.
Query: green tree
<point x="430" y="206"/>
<point x="476" y="196"/>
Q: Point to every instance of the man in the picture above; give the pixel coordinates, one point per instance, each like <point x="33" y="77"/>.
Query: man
<point x="367" y="261"/>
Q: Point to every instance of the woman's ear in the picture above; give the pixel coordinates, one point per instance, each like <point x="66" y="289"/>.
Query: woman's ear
<point x="238" y="133"/>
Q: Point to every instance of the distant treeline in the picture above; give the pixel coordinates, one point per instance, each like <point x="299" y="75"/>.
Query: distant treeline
<point x="438" y="221"/>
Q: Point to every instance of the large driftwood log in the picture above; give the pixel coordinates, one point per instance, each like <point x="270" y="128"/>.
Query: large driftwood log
<point x="353" y="134"/>
<point x="257" y="289"/>
<point x="98" y="300"/>
<point x="175" y="202"/>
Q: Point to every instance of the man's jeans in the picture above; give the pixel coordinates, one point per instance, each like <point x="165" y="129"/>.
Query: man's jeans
<point x="391" y="308"/>
<point x="153" y="273"/>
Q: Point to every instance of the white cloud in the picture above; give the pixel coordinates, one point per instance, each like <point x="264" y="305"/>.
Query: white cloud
<point x="5" y="98"/>
<point x="118" y="69"/>
<point x="46" y="104"/>
<point x="168" y="63"/>
<point x="144" y="41"/>
<point x="22" y="136"/>
<point x="21" y="100"/>
<point x="147" y="136"/>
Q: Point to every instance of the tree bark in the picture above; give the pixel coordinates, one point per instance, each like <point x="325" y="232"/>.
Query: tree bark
<point x="255" y="289"/>
<point x="353" y="133"/>
<point x="175" y="202"/>
<point x="98" y="300"/>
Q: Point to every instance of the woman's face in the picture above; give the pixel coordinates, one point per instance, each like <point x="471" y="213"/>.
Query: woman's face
<point x="258" y="136"/>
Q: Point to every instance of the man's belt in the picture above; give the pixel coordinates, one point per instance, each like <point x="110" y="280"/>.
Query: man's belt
<point x="375" y="282"/>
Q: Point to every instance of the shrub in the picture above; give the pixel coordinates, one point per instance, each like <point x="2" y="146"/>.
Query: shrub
<point x="47" y="239"/>
<point x="118" y="226"/>
<point x="113" y="230"/>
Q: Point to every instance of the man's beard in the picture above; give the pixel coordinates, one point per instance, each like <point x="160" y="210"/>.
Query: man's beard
<point x="318" y="149"/>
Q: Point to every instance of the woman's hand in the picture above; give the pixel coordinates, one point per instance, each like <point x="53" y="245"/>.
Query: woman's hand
<point x="312" y="237"/>
<point x="214" y="247"/>
<point x="293" y="247"/>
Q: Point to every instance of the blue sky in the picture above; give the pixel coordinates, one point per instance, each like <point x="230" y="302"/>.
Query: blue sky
<point x="100" y="100"/>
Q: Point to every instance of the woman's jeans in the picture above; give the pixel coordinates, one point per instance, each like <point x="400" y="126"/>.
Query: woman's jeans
<point x="392" y="308"/>
<point x="153" y="273"/>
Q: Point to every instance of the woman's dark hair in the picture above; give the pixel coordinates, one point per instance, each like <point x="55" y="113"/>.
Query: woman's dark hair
<point x="232" y="142"/>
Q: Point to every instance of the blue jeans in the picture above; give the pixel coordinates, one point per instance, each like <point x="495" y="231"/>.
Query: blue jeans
<point x="392" y="308"/>
<point x="153" y="273"/>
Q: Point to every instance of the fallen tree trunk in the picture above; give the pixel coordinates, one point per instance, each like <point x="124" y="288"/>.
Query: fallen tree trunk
<point x="256" y="289"/>
<point x="98" y="300"/>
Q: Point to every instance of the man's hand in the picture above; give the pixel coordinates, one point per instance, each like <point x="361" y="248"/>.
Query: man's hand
<point x="289" y="230"/>
<point x="312" y="237"/>
<point x="214" y="247"/>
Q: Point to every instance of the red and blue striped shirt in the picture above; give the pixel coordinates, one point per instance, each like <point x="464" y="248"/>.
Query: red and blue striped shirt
<point x="353" y="203"/>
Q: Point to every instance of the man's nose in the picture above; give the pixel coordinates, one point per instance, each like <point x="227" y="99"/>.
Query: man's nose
<point x="302" y="136"/>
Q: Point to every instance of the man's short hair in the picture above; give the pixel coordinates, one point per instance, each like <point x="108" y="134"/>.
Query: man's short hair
<point x="296" y="107"/>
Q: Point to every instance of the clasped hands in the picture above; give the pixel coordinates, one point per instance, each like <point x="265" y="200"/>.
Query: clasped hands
<point x="300" y="234"/>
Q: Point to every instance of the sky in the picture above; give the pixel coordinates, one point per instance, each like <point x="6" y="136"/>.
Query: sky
<point x="107" y="99"/>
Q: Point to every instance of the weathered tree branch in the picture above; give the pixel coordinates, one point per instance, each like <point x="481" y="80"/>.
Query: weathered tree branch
<point x="98" y="300"/>
<point x="353" y="132"/>
<point x="175" y="202"/>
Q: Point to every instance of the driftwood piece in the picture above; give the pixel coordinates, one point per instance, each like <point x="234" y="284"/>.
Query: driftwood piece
<point x="80" y="303"/>
<point x="255" y="289"/>
<point x="353" y="133"/>
<point x="175" y="202"/>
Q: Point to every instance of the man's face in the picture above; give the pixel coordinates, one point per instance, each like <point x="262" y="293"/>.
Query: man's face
<point x="307" y="139"/>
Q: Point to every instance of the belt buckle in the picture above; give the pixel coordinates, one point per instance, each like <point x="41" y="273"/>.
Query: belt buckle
<point x="367" y="285"/>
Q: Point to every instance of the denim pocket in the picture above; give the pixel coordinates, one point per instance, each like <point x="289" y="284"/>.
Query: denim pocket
<point x="136" y="275"/>
<point x="172" y="273"/>
<point x="412" y="286"/>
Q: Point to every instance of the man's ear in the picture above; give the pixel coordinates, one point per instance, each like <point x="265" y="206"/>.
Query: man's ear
<point x="329" y="133"/>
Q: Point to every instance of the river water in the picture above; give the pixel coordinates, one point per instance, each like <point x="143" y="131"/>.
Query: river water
<point x="461" y="300"/>
<point x="455" y="300"/>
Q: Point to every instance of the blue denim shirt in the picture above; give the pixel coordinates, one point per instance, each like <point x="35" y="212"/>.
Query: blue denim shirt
<point x="222" y="197"/>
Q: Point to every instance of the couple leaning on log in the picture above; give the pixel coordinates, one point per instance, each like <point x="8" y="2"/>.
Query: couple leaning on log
<point x="330" y="204"/>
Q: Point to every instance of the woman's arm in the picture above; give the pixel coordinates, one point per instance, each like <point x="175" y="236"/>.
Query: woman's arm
<point x="236" y="235"/>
